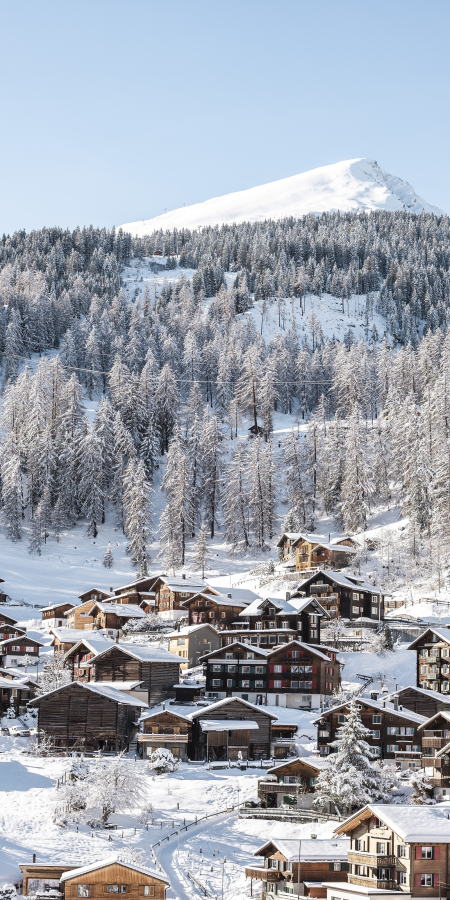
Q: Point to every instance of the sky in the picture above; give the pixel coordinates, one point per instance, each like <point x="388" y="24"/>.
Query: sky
<point x="117" y="110"/>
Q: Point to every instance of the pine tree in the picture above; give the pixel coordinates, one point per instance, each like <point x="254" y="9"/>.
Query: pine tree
<point x="108" y="558"/>
<point x="261" y="492"/>
<point x="11" y="488"/>
<point x="91" y="491"/>
<point x="175" y="523"/>
<point x="235" y="501"/>
<point x="137" y="512"/>
<point x="200" y="557"/>
<point x="355" y="486"/>
<point x="294" y="475"/>
<point x="55" y="674"/>
<point x="212" y="454"/>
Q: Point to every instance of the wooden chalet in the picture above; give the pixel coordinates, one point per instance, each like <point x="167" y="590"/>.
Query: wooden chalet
<point x="113" y="875"/>
<point x="41" y="878"/>
<point x="293" y="674"/>
<point x="80" y="654"/>
<point x="281" y="872"/>
<point x="80" y="616"/>
<point x="344" y="596"/>
<point x="432" y="650"/>
<point x="55" y="616"/>
<point x="171" y="594"/>
<point x="113" y="616"/>
<point x="283" y="740"/>
<point x="436" y="753"/>
<point x="314" y="552"/>
<point x="290" y="784"/>
<point x="393" y="848"/>
<point x="10" y="631"/>
<point x="65" y="638"/>
<point x="16" y="692"/>
<point x="219" y="610"/>
<point x="265" y="623"/>
<point x="420" y="700"/>
<point x="140" y="593"/>
<point x="13" y="652"/>
<point x="95" y="594"/>
<point x="7" y="620"/>
<point x="395" y="733"/>
<point x="193" y="641"/>
<point x="88" y="717"/>
<point x="169" y="729"/>
<point x="153" y="668"/>
<point x="231" y="729"/>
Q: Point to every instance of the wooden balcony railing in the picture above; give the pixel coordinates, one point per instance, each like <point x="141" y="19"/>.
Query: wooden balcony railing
<point x="372" y="883"/>
<point x="263" y="874"/>
<point x="359" y="857"/>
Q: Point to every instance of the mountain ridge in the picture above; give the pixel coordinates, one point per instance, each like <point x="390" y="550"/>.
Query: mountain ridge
<point x="347" y="186"/>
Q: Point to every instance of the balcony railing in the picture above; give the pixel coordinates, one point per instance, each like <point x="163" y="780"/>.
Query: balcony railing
<point x="273" y="787"/>
<point x="163" y="738"/>
<point x="372" y="883"/>
<point x="435" y="742"/>
<point x="263" y="874"/>
<point x="361" y="858"/>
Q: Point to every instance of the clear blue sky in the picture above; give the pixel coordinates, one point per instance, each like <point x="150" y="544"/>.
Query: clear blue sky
<point x="115" y="110"/>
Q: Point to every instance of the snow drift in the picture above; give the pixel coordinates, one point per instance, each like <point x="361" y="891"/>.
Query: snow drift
<point x="351" y="185"/>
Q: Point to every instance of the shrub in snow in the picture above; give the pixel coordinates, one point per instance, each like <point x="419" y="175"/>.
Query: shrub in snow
<point x="56" y="674"/>
<point x="113" y="785"/>
<point x="11" y="712"/>
<point x="41" y="745"/>
<point x="350" y="776"/>
<point x="162" y="761"/>
<point x="108" y="559"/>
<point x="423" y="789"/>
<point x="73" y="793"/>
<point x="7" y="891"/>
<point x="336" y="630"/>
<point x="151" y="622"/>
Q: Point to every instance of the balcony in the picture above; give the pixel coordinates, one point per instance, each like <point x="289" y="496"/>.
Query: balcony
<point x="263" y="874"/>
<point x="273" y="787"/>
<point x="163" y="738"/>
<point x="373" y="883"/>
<point x="377" y="860"/>
<point x="435" y="743"/>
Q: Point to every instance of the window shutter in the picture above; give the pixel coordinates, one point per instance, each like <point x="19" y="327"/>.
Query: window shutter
<point x="283" y="684"/>
<point x="300" y="652"/>
<point x="283" y="668"/>
<point x="271" y="684"/>
<point x="314" y="670"/>
<point x="289" y="653"/>
<point x="272" y="669"/>
<point x="436" y="879"/>
<point x="436" y="852"/>
<point x="417" y="879"/>
<point x="331" y="867"/>
<point x="418" y="852"/>
<point x="345" y="867"/>
<point x="313" y="683"/>
<point x="374" y="822"/>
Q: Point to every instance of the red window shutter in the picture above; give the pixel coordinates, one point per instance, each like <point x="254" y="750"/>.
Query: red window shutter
<point x="300" y="652"/>
<point x="418" y="852"/>
<point x="289" y="653"/>
<point x="283" y="668"/>
<point x="314" y="670"/>
<point x="313" y="683"/>
<point x="417" y="879"/>
<point x="374" y="823"/>
<point x="271" y="684"/>
<point x="436" y="852"/>
<point x="272" y="668"/>
<point x="283" y="684"/>
<point x="436" y="879"/>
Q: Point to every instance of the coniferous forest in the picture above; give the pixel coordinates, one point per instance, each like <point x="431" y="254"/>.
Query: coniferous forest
<point x="176" y="379"/>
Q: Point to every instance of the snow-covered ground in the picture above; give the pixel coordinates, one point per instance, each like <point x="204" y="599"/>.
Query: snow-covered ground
<point x="353" y="184"/>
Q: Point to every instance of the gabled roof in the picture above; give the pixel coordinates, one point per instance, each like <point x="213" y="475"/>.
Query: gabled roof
<point x="344" y="580"/>
<point x="188" y="629"/>
<point x="228" y="647"/>
<point x="143" y="652"/>
<point x="220" y="704"/>
<point x="300" y="603"/>
<point x="220" y="599"/>
<point x="161" y="712"/>
<point x="433" y="695"/>
<point x="376" y="704"/>
<point x="314" y="762"/>
<point x="20" y="637"/>
<point x="124" y="610"/>
<point x="88" y="590"/>
<point x="135" y="584"/>
<point x="73" y="635"/>
<point x="96" y="644"/>
<point x="310" y="851"/>
<point x="293" y="644"/>
<point x="96" y="688"/>
<point x="441" y="714"/>
<point x="256" y="607"/>
<point x="189" y="584"/>
<point x="58" y="605"/>
<point x="110" y="861"/>
<point x="427" y="823"/>
<point x="290" y="535"/>
<point x="442" y="633"/>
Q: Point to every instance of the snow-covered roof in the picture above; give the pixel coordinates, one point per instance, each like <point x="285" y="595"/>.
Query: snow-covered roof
<point x="300" y="603"/>
<point x="159" y="712"/>
<point x="228" y="647"/>
<point x="76" y="634"/>
<point x="12" y="682"/>
<point x="291" y="535"/>
<point x="231" y="725"/>
<point x="292" y="644"/>
<point x="441" y="714"/>
<point x="181" y="584"/>
<point x="442" y="633"/>
<point x="219" y="704"/>
<point x="20" y="637"/>
<point x="125" y="610"/>
<point x="88" y="590"/>
<point x="382" y="705"/>
<point x="96" y="644"/>
<point x="146" y="594"/>
<point x="119" y="685"/>
<point x="188" y="629"/>
<point x="58" y="605"/>
<point x="310" y="850"/>
<point x="135" y="584"/>
<point x="367" y="891"/>
<point x="315" y="762"/>
<point x="110" y="861"/>
<point x="434" y="695"/>
<point x="143" y="652"/>
<point x="428" y="823"/>
<point x="344" y="580"/>
<point x="222" y="599"/>
<point x="97" y="688"/>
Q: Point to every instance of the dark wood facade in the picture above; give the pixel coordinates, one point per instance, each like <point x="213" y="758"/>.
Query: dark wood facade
<point x="41" y="878"/>
<point x="217" y="745"/>
<point x="75" y="717"/>
<point x="343" y="595"/>
<point x="277" y="623"/>
<point x="56" y="615"/>
<point x="291" y="784"/>
<point x="166" y="729"/>
<point x="436" y="753"/>
<point x="97" y="881"/>
<point x="14" y="650"/>
<point x="394" y="733"/>
<point x="426" y="703"/>
<point x="320" y="861"/>
<point x="432" y="650"/>
<point x="158" y="677"/>
<point x="215" y="609"/>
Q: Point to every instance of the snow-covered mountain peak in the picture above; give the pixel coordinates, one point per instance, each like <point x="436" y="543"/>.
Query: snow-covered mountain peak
<point x="350" y="185"/>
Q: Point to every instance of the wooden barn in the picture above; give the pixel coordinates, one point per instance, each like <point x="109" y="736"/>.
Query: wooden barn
<point x="88" y="717"/>
<point x="156" y="669"/>
<point x="113" y="616"/>
<point x="113" y="875"/>
<point x="167" y="728"/>
<point x="229" y="728"/>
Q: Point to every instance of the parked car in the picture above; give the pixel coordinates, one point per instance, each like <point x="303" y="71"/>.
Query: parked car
<point x="19" y="731"/>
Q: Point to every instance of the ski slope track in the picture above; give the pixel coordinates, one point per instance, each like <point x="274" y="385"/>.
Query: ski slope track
<point x="348" y="186"/>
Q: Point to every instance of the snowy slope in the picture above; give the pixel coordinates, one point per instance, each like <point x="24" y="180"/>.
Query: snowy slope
<point x="354" y="184"/>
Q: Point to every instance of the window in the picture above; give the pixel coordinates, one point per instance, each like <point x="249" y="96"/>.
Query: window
<point x="259" y="670"/>
<point x="355" y="610"/>
<point x="217" y="668"/>
<point x="229" y="655"/>
<point x="381" y="848"/>
<point x="376" y="720"/>
<point x="117" y="888"/>
<point x="427" y="853"/>
<point x="426" y="880"/>
<point x="230" y="682"/>
<point x="231" y="669"/>
<point x="222" y="615"/>
<point x="199" y="603"/>
<point x="360" y="845"/>
<point x="273" y="863"/>
<point x="277" y="684"/>
<point x="401" y="850"/>
<point x="295" y="654"/>
<point x="376" y="735"/>
<point x="245" y="684"/>
<point x="278" y="669"/>
<point x="341" y="718"/>
<point x="294" y="685"/>
<point x="82" y="890"/>
<point x="259" y="684"/>
<point x="402" y="878"/>
<point x="149" y="890"/>
<point x="216" y="682"/>
<point x="181" y="642"/>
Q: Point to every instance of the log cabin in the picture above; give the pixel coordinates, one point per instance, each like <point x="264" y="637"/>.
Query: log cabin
<point x="55" y="616"/>
<point x="296" y="675"/>
<point x="291" y="784"/>
<point x="95" y="594"/>
<point x="282" y="872"/>
<point x="315" y="553"/>
<point x="220" y="610"/>
<point x="77" y="656"/>
<point x="10" y="631"/>
<point x="154" y="668"/>
<point x="113" y="875"/>
<point x="193" y="641"/>
<point x="169" y="729"/>
<point x="395" y="733"/>
<point x="88" y="717"/>
<point x="80" y="616"/>
<point x="393" y="849"/>
<point x="170" y="594"/>
<point x="16" y="692"/>
<point x="432" y="650"/>
<point x="344" y="596"/>
<point x="265" y="623"/>
<point x="283" y="740"/>
<point x="436" y="753"/>
<point x="140" y="592"/>
<point x="420" y="700"/>
<point x="13" y="652"/>
<point x="113" y="616"/>
<point x="231" y="729"/>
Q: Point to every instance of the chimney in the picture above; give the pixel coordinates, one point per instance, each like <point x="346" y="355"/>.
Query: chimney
<point x="164" y="706"/>
<point x="34" y="857"/>
<point x="110" y="590"/>
<point x="374" y="695"/>
<point x="117" y="638"/>
<point x="229" y="596"/>
<point x="329" y="537"/>
<point x="288" y="595"/>
<point x="183" y="575"/>
<point x="396" y="704"/>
